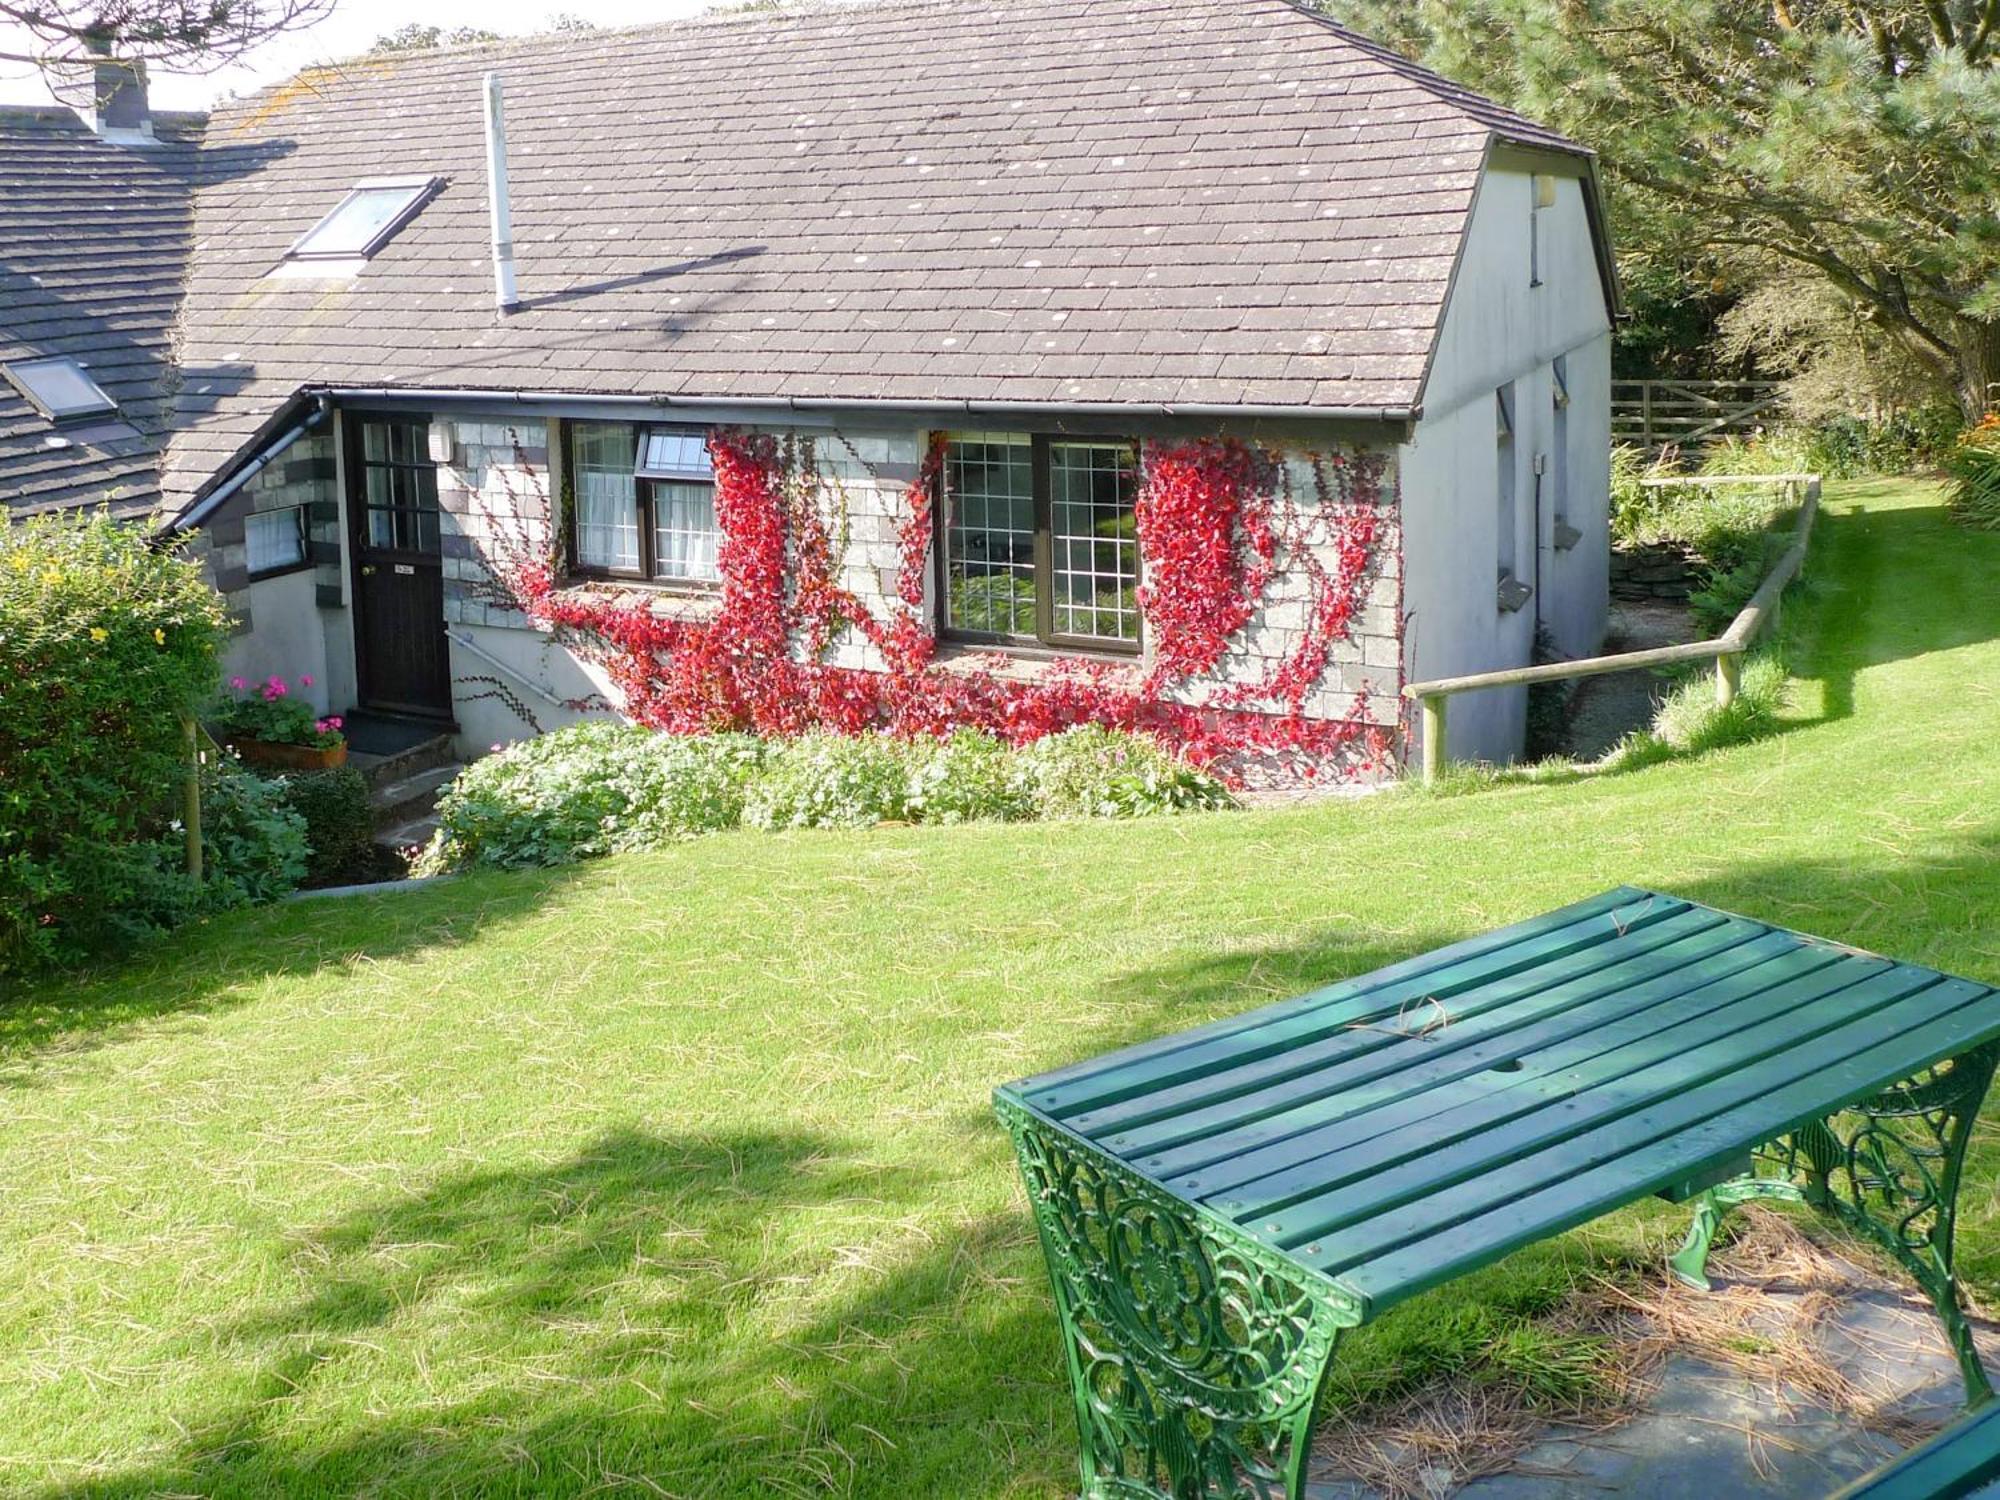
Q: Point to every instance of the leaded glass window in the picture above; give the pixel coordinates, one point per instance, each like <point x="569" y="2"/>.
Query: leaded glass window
<point x="1039" y="543"/>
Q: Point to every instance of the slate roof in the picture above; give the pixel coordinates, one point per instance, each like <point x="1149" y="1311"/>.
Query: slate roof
<point x="93" y="247"/>
<point x="1055" y="202"/>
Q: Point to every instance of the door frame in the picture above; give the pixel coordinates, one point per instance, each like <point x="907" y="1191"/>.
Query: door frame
<point x="355" y="501"/>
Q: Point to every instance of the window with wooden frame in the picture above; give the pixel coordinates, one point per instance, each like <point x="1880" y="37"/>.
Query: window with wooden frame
<point x="1040" y="547"/>
<point x="642" y="503"/>
<point x="274" y="542"/>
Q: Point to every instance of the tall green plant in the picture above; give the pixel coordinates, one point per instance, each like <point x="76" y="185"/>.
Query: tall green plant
<point x="106" y="644"/>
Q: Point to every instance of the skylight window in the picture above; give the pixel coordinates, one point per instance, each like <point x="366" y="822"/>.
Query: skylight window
<point x="366" y="219"/>
<point x="60" y="390"/>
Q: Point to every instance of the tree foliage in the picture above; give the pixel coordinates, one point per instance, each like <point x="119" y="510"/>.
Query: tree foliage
<point x="1856" y="141"/>
<point x="187" y="36"/>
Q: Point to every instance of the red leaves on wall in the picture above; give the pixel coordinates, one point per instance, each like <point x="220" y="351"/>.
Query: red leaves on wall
<point x="1217" y="523"/>
<point x="1204" y="532"/>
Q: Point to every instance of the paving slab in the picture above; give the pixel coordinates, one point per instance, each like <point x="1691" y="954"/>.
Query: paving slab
<point x="1706" y="1431"/>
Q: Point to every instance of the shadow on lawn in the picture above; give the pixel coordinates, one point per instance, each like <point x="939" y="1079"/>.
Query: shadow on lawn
<point x="583" y="1328"/>
<point x="220" y="962"/>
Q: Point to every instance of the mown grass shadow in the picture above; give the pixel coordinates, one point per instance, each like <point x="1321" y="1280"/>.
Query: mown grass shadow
<point x="593" y="1309"/>
<point x="222" y="961"/>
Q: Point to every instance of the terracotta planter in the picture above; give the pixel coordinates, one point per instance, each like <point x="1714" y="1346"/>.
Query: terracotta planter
<point x="290" y="757"/>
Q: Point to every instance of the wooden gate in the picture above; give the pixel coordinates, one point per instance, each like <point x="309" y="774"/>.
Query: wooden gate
<point x="1690" y="413"/>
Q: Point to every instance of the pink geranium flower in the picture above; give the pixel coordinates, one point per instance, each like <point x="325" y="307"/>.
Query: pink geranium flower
<point x="238" y="683"/>
<point x="305" y="679"/>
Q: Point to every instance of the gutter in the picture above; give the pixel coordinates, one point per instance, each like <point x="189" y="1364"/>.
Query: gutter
<point x="207" y="505"/>
<point x="1388" y="415"/>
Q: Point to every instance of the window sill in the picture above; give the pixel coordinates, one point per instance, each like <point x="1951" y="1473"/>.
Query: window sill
<point x="1025" y="663"/>
<point x="685" y="600"/>
<point x="1566" y="536"/>
<point x="304" y="565"/>
<point x="1514" y="595"/>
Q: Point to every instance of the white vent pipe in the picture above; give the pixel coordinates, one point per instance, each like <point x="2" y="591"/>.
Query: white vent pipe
<point x="505" y="297"/>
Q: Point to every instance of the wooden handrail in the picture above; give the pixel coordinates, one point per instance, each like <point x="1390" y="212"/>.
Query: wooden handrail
<point x="1725" y="650"/>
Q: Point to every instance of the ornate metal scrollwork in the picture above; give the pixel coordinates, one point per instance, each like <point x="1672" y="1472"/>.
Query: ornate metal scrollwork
<point x="1889" y="1170"/>
<point x="1196" y="1354"/>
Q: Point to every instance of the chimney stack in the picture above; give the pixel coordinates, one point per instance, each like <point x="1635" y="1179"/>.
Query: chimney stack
<point x="118" y="108"/>
<point x="505" y="297"/>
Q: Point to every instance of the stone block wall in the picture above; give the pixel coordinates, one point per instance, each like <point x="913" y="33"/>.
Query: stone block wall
<point x="496" y="501"/>
<point x="1369" y="665"/>
<point x="496" y="497"/>
<point x="303" y="475"/>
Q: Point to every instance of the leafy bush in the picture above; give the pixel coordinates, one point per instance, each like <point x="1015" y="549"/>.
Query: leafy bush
<point x="592" y="788"/>
<point x="269" y="712"/>
<point x="966" y="778"/>
<point x="106" y="643"/>
<point x="340" y="824"/>
<point x="253" y="842"/>
<point x="1974" y="471"/>
<point x="1690" y="720"/>
<point x="1088" y="772"/>
<point x="834" y="781"/>
<point x="601" y="788"/>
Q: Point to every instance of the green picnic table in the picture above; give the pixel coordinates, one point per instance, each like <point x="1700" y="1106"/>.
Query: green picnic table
<point x="1217" y="1205"/>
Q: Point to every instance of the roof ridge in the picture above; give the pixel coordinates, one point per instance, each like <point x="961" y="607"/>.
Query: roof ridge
<point x="747" y="12"/>
<point x="1475" y="106"/>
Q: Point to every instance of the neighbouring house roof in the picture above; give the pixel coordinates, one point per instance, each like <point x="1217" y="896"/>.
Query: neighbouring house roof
<point x="1051" y="202"/>
<point x="94" y="240"/>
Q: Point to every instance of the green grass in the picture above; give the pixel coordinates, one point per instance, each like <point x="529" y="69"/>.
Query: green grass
<point x="674" y="1174"/>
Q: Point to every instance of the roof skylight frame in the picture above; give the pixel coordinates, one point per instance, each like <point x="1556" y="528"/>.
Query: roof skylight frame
<point x="97" y="404"/>
<point x="420" y="189"/>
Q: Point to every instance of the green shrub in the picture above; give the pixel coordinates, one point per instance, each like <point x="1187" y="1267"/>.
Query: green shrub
<point x="1087" y="772"/>
<point x="1689" y="719"/>
<point x="968" y="778"/>
<point x="590" y="789"/>
<point x="1973" y="469"/>
<point x="105" y="644"/>
<point x="834" y="781"/>
<point x="253" y="841"/>
<point x="340" y="824"/>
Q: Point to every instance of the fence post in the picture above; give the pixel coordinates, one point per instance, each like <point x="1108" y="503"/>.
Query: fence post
<point x="1728" y="673"/>
<point x="191" y="797"/>
<point x="1646" y="412"/>
<point x="1433" y="707"/>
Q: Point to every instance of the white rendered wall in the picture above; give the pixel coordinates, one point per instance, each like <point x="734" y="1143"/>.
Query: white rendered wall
<point x="1498" y="328"/>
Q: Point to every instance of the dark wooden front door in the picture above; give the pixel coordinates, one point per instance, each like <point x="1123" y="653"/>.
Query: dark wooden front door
<point x="392" y="501"/>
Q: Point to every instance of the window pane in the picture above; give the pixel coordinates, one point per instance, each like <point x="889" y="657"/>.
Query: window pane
<point x="359" y="218"/>
<point x="607" y="496"/>
<point x="1095" y="546"/>
<point x="990" y="537"/>
<point x="668" y="454"/>
<point x="274" y="539"/>
<point x="683" y="530"/>
<point x="60" y="386"/>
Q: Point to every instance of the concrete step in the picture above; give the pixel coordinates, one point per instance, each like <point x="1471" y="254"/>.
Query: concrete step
<point x="411" y="796"/>
<point x="411" y="835"/>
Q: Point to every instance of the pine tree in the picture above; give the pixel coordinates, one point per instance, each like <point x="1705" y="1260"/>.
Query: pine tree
<point x="1857" y="139"/>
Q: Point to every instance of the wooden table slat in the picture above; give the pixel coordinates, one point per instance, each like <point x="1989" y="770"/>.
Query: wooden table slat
<point x="1360" y="1050"/>
<point x="1064" y="1092"/>
<point x="1653" y="1163"/>
<point x="1425" y="1064"/>
<point x="1711" y="1076"/>
<point x="1366" y="1144"/>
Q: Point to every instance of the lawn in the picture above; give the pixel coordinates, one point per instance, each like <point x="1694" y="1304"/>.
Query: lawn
<point x="675" y="1174"/>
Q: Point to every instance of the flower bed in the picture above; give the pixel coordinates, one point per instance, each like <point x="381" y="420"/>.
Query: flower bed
<point x="601" y="788"/>
<point x="266" y="725"/>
